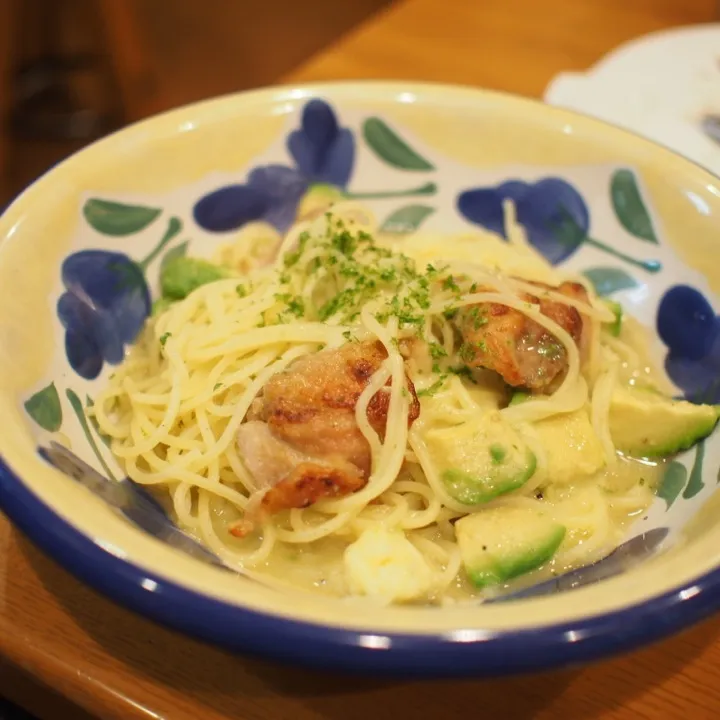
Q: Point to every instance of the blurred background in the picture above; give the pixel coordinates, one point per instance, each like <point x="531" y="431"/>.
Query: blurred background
<point x="74" y="70"/>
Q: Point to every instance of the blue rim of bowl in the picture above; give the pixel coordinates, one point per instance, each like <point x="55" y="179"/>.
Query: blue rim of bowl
<point x="471" y="653"/>
<point x="368" y="652"/>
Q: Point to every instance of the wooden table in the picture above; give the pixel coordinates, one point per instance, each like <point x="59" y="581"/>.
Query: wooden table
<point x="65" y="652"/>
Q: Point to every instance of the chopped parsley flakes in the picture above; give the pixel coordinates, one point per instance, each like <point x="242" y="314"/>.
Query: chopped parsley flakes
<point x="293" y="256"/>
<point x="333" y="276"/>
<point x="351" y="271"/>
<point x="478" y="316"/>
<point x="464" y="371"/>
<point x="295" y="305"/>
<point x="437" y="351"/>
<point x="468" y="351"/>
<point x="434" y="388"/>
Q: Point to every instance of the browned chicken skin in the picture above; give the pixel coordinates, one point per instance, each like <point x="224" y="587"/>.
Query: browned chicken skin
<point x="309" y="482"/>
<point x="523" y="352"/>
<point x="302" y="440"/>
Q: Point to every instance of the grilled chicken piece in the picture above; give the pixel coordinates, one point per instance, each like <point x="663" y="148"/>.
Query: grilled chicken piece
<point x="309" y="482"/>
<point x="311" y="406"/>
<point x="294" y="479"/>
<point x="523" y="352"/>
<point x="302" y="442"/>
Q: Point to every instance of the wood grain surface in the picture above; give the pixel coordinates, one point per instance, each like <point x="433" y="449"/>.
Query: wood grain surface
<point x="66" y="652"/>
<point x="511" y="45"/>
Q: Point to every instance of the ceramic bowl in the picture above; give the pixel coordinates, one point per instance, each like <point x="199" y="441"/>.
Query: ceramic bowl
<point x="98" y="226"/>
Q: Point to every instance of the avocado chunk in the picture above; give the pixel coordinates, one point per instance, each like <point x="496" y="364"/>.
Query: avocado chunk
<point x="161" y="305"/>
<point x="572" y="448"/>
<point x="519" y="397"/>
<point x="481" y="460"/>
<point x="318" y="199"/>
<point x="499" y="544"/>
<point x="645" y="423"/>
<point x="181" y="275"/>
<point x="615" y="326"/>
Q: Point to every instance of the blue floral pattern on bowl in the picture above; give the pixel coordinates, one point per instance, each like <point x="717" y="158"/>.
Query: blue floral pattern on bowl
<point x="553" y="213"/>
<point x="323" y="153"/>
<point x="102" y="310"/>
<point x="107" y="298"/>
<point x="689" y="327"/>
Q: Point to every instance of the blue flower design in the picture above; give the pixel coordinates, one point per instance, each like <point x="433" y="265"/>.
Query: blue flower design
<point x="103" y="309"/>
<point x="688" y="325"/>
<point x="323" y="153"/>
<point x="552" y="212"/>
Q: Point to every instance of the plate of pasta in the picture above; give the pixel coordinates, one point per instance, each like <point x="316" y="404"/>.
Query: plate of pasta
<point x="413" y="378"/>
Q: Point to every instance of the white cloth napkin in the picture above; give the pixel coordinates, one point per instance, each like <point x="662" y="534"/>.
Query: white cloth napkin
<point x="660" y="86"/>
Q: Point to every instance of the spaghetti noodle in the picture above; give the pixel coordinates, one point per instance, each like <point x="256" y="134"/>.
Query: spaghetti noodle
<point x="175" y="407"/>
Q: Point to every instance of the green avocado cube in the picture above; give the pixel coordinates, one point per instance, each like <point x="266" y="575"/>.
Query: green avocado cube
<point x="644" y="423"/>
<point x="499" y="544"/>
<point x="181" y="275"/>
<point x="481" y="460"/>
